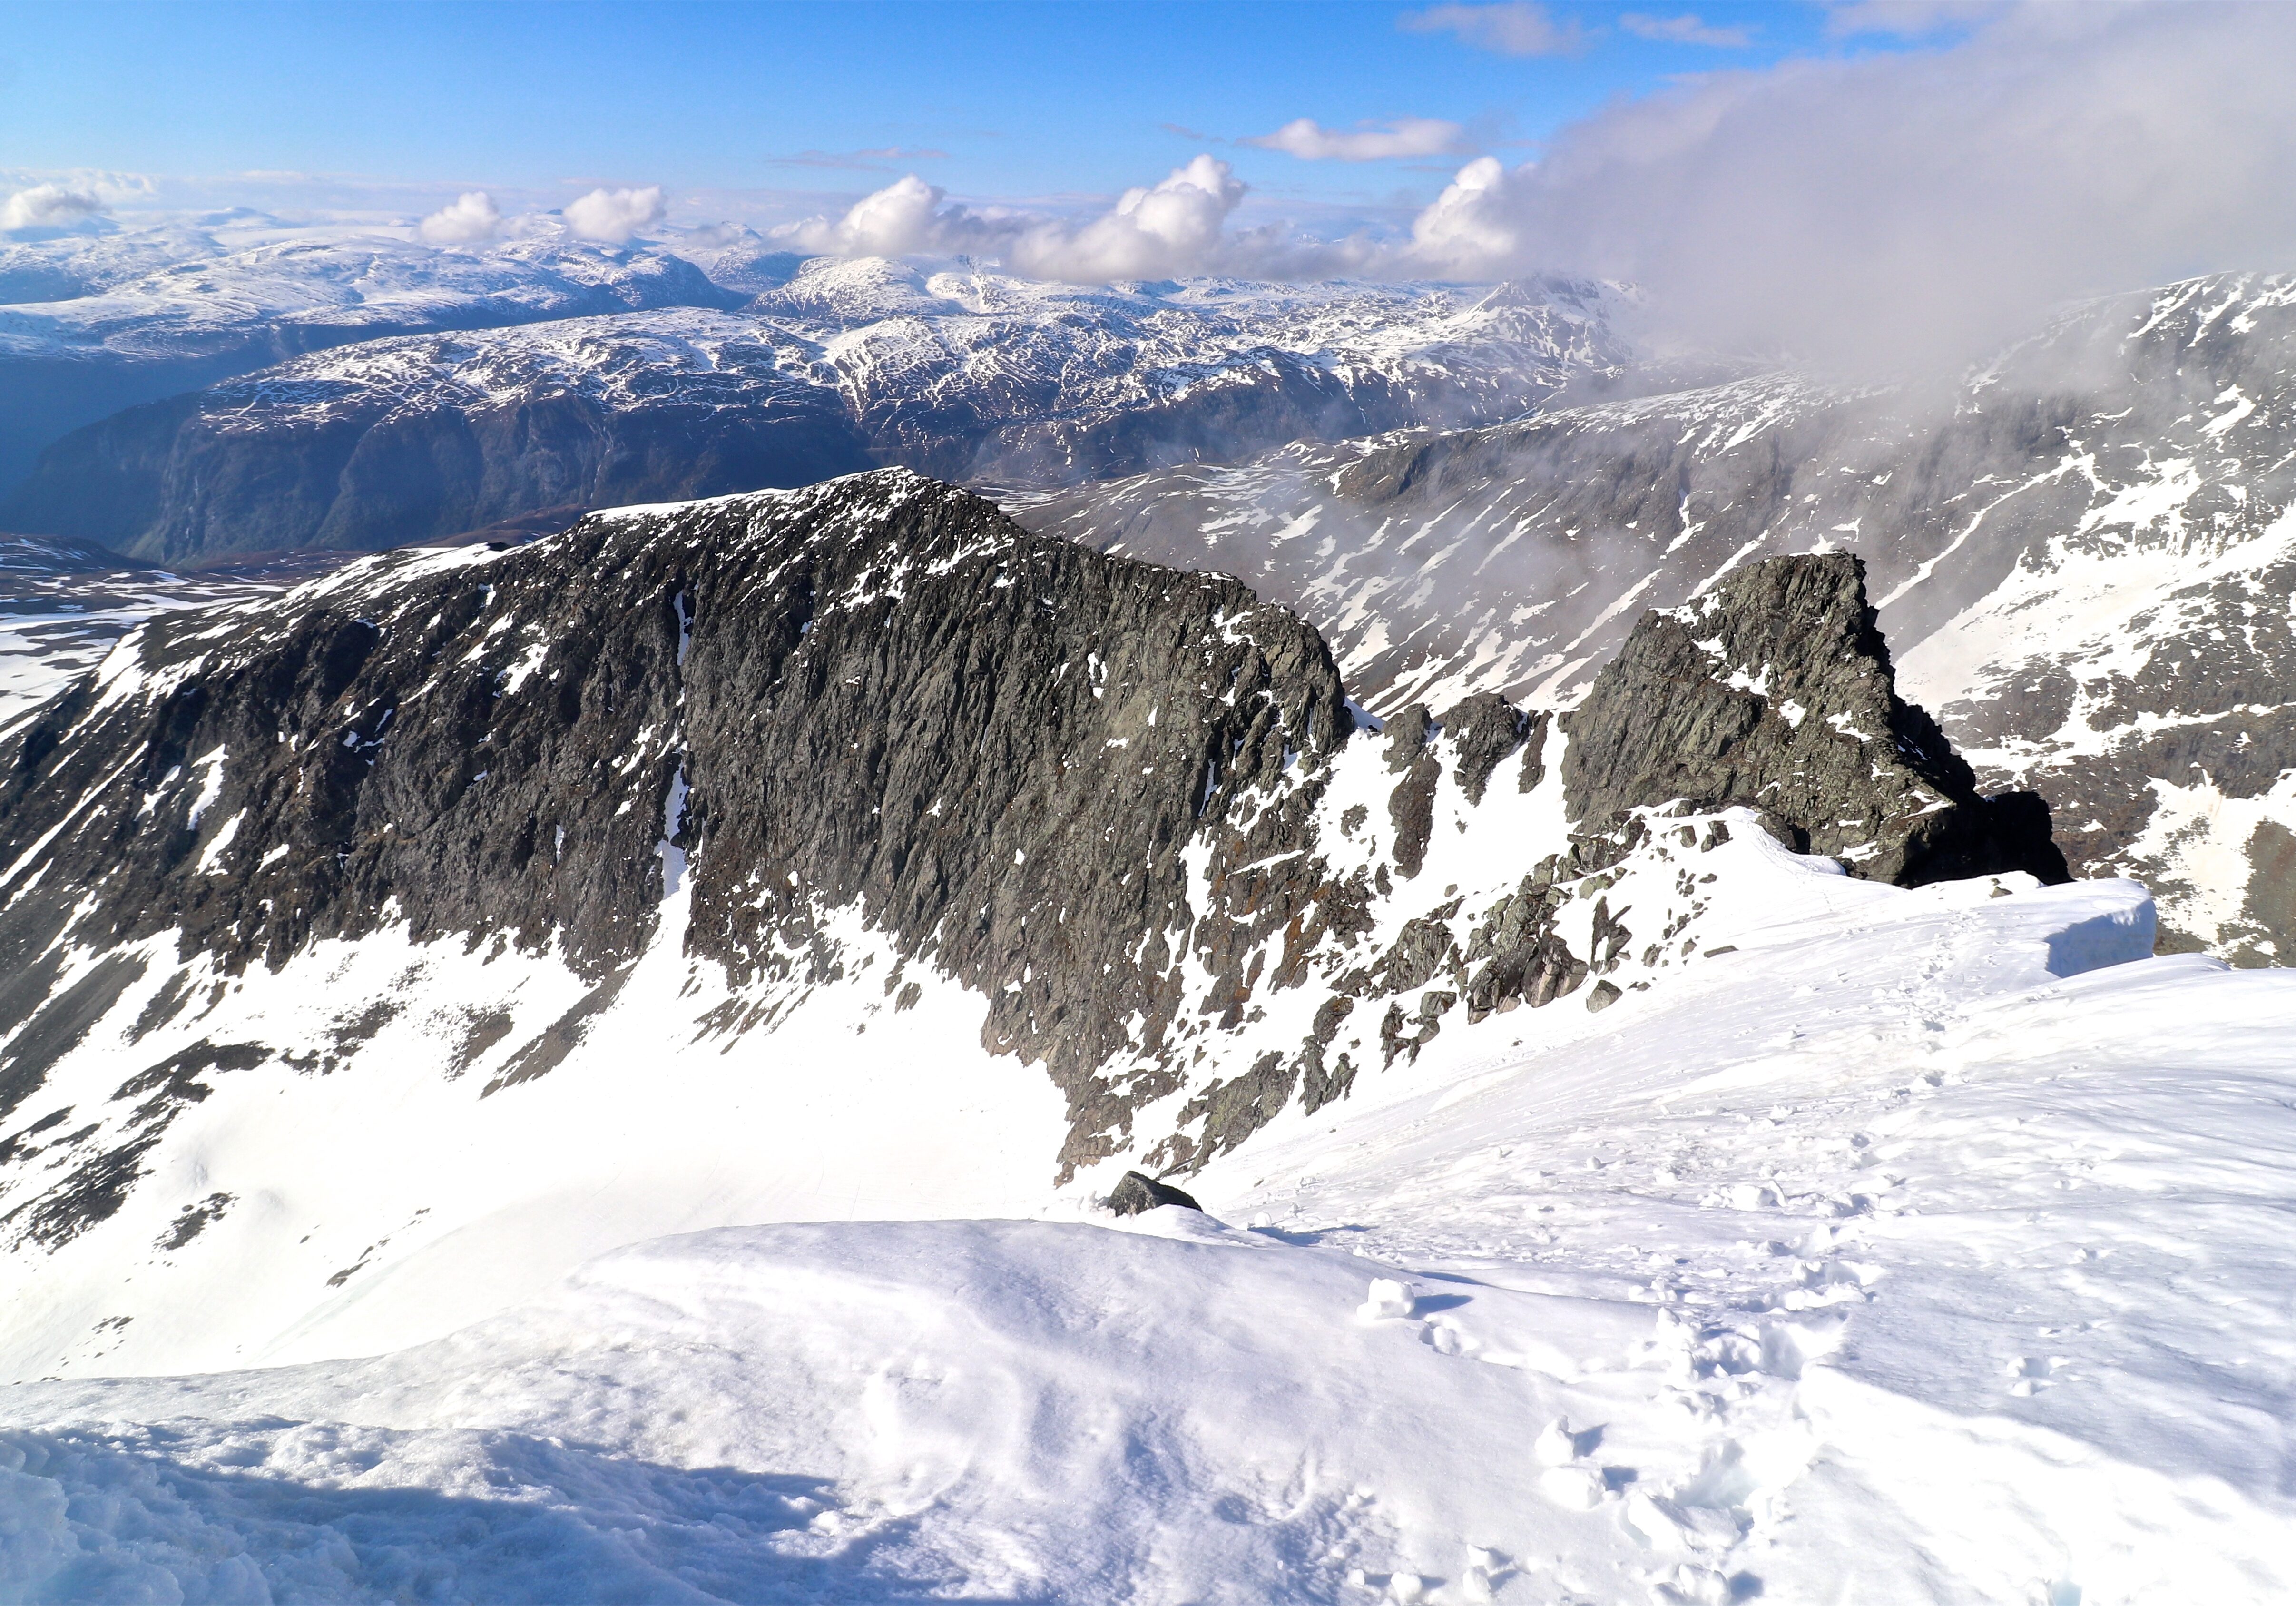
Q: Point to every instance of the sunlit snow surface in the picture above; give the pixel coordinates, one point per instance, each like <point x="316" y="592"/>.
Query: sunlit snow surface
<point x="64" y="604"/>
<point x="1925" y="1245"/>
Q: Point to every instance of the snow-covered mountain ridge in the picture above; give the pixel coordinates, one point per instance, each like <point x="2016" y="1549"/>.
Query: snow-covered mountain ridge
<point x="1652" y="1306"/>
<point x="715" y="740"/>
<point x="962" y="373"/>
<point x="2082" y="559"/>
<point x="1628" y="1187"/>
<point x="90" y="324"/>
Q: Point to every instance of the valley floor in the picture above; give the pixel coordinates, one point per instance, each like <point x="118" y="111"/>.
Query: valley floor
<point x="1919" y="1246"/>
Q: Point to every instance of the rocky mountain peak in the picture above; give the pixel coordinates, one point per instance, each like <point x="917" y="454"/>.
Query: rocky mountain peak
<point x="1772" y="690"/>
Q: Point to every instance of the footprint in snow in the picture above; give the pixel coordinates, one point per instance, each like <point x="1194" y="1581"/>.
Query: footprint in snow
<point x="2029" y="1374"/>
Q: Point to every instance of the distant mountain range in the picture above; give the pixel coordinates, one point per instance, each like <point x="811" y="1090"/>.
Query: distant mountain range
<point x="970" y="375"/>
<point x="2077" y="551"/>
<point x="92" y="323"/>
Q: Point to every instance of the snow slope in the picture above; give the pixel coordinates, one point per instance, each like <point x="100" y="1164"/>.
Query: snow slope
<point x="1930" y="1247"/>
<point x="63" y="604"/>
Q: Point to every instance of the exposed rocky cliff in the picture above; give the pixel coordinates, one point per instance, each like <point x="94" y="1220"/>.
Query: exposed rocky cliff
<point x="874" y="730"/>
<point x="1774" y="692"/>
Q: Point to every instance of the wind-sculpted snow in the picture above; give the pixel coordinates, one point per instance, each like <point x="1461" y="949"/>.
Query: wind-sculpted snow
<point x="2083" y="558"/>
<point x="1867" y="1265"/>
<point x="964" y="375"/>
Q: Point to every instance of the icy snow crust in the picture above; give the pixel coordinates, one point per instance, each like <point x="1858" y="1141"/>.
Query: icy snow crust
<point x="1928" y="1247"/>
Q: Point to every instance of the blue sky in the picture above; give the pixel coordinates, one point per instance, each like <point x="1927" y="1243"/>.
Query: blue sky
<point x="767" y="110"/>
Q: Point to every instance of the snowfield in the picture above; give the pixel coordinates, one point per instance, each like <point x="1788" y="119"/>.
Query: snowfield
<point x="1916" y="1246"/>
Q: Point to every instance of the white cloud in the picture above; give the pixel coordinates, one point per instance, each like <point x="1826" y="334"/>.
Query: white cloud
<point x="1467" y="228"/>
<point x="1170" y="227"/>
<point x="1175" y="227"/>
<point x="47" y="206"/>
<point x="903" y="219"/>
<point x="1908" y="18"/>
<point x="1517" y="28"/>
<point x="615" y="215"/>
<point x="1309" y="141"/>
<point x="473" y="217"/>
<point x="1911" y="207"/>
<point x="1685" y="29"/>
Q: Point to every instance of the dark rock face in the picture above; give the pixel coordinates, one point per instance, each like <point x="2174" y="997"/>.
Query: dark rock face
<point x="1096" y="793"/>
<point x="1774" y="692"/>
<point x="883" y="694"/>
<point x="1134" y="1193"/>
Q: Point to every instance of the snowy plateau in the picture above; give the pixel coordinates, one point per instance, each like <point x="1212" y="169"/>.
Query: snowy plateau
<point x="593" y="1067"/>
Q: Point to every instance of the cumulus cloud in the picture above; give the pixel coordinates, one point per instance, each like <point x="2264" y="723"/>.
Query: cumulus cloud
<point x="907" y="218"/>
<point x="1515" y="27"/>
<point x="1909" y="206"/>
<point x="1686" y="29"/>
<point x="613" y="216"/>
<point x="1173" y="227"/>
<point x="48" y="206"/>
<point x="1177" y="225"/>
<point x="472" y="218"/>
<point x="1308" y="140"/>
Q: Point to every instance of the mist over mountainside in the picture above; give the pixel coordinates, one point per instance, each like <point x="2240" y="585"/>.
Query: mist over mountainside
<point x="965" y="374"/>
<point x="2082" y="557"/>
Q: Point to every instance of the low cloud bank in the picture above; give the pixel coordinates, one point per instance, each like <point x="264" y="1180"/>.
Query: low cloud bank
<point x="1176" y="225"/>
<point x="1906" y="208"/>
<point x="613" y="216"/>
<point x="1914" y="208"/>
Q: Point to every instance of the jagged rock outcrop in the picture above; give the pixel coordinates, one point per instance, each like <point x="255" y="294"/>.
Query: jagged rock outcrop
<point x="2070" y="549"/>
<point x="1774" y="691"/>
<point x="1135" y="1194"/>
